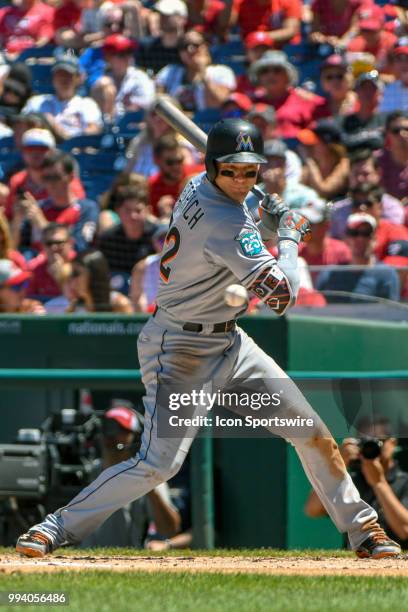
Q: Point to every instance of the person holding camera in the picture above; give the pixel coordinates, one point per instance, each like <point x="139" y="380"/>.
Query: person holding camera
<point x="378" y="477"/>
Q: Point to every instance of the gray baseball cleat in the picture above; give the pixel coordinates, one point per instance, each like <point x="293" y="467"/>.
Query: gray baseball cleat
<point x="34" y="544"/>
<point x="378" y="546"/>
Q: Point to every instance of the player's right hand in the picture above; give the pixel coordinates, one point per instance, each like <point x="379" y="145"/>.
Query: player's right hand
<point x="293" y="226"/>
<point x="271" y="209"/>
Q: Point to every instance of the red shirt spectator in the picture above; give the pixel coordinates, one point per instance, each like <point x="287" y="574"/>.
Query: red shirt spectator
<point x="335" y="252"/>
<point x="21" y="182"/>
<point x="204" y="14"/>
<point x="332" y="21"/>
<point x="295" y="110"/>
<point x="22" y="27"/>
<point x="159" y="187"/>
<point x="372" y="37"/>
<point x="386" y="233"/>
<point x="68" y="15"/>
<point x="266" y="15"/>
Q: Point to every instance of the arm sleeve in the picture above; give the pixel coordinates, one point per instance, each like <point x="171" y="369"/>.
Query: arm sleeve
<point x="244" y="253"/>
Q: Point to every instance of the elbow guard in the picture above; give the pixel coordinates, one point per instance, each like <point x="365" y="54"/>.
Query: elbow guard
<point x="273" y="288"/>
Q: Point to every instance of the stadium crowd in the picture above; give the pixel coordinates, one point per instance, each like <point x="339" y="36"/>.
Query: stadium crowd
<point x="90" y="173"/>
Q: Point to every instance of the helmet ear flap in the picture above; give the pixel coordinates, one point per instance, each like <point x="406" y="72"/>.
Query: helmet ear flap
<point x="211" y="167"/>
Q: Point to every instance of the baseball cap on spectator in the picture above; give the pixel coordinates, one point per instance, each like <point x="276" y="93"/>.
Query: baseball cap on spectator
<point x="369" y="77"/>
<point x="11" y="275"/>
<point x="265" y="111"/>
<point x="125" y="415"/>
<point x="397" y="253"/>
<point x="401" y="46"/>
<point x="315" y="210"/>
<point x="274" y="58"/>
<point x="171" y="7"/>
<point x="67" y="63"/>
<point x="240" y="99"/>
<point x="335" y="61"/>
<point x="371" y="17"/>
<point x="258" y="39"/>
<point x="326" y="131"/>
<point x="38" y="137"/>
<point x="365" y="139"/>
<point x="117" y="43"/>
<point x="356" y="219"/>
<point x="275" y="148"/>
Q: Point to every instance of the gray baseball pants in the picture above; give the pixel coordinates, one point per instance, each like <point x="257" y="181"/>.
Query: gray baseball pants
<point x="165" y="349"/>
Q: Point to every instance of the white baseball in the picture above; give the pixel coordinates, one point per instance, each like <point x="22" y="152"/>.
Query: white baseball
<point x="235" y="295"/>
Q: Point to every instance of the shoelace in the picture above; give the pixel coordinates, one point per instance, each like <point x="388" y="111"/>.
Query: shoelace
<point x="38" y="536"/>
<point x="378" y="534"/>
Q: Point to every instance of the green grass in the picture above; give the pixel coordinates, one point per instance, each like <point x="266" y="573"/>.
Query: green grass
<point x="164" y="592"/>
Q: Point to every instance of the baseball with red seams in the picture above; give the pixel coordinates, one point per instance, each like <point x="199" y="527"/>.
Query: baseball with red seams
<point x="235" y="295"/>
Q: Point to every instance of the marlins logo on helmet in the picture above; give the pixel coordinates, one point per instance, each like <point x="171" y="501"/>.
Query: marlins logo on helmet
<point x="244" y="142"/>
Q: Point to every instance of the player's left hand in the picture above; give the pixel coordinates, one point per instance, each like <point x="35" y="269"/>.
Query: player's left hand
<point x="271" y="209"/>
<point x="373" y="471"/>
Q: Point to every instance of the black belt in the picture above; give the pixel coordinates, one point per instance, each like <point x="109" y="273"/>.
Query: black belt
<point x="218" y="328"/>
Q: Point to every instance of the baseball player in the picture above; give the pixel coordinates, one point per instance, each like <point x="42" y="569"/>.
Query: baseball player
<point x="213" y="242"/>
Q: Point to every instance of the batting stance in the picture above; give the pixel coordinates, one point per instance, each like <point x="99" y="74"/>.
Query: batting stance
<point x="212" y="243"/>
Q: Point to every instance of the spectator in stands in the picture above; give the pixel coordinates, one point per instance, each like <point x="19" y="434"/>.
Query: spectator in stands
<point x="393" y="159"/>
<point x="321" y="249"/>
<point x="51" y="267"/>
<point x="196" y="83"/>
<point x="144" y="283"/>
<point x="16" y="88"/>
<point x="108" y="218"/>
<point x="6" y="245"/>
<point x="336" y="80"/>
<point x="369" y="89"/>
<point x="208" y="17"/>
<point x="280" y="175"/>
<point x="35" y="143"/>
<point x="67" y="21"/>
<point x="154" y="53"/>
<point x="61" y="205"/>
<point x="397" y="257"/>
<point x="376" y="280"/>
<point x="368" y="198"/>
<point x="154" y="512"/>
<point x="256" y="44"/>
<point x="140" y="150"/>
<point x="372" y="37"/>
<point x="396" y="93"/>
<point x="26" y="24"/>
<point x="364" y="168"/>
<point x="13" y="284"/>
<point x="264" y="117"/>
<point x="334" y="21"/>
<point x="280" y="18"/>
<point x="236" y="105"/>
<point x="294" y="107"/>
<point x="380" y="481"/>
<point x="166" y="186"/>
<point x="68" y="113"/>
<point x="130" y="241"/>
<point x="87" y="288"/>
<point x="124" y="88"/>
<point x="326" y="166"/>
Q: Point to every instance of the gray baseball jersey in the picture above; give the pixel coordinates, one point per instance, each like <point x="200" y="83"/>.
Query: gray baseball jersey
<point x="212" y="243"/>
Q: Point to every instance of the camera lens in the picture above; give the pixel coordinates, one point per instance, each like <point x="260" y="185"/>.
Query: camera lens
<point x="371" y="448"/>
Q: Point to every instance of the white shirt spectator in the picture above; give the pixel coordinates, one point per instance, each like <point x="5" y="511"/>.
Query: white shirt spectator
<point x="171" y="78"/>
<point x="73" y="115"/>
<point x="395" y="98"/>
<point x="136" y="88"/>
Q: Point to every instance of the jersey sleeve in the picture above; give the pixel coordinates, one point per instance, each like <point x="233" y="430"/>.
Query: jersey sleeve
<point x="244" y="253"/>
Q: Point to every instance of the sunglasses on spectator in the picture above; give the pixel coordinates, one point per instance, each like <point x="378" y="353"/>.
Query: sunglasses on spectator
<point x="231" y="174"/>
<point x="52" y="178"/>
<point x="398" y="129"/>
<point x="174" y="161"/>
<point x="50" y="243"/>
<point x="275" y="69"/>
<point x="355" y="233"/>
<point x="334" y="77"/>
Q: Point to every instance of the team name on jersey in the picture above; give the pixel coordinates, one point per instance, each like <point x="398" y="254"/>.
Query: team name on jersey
<point x="190" y="206"/>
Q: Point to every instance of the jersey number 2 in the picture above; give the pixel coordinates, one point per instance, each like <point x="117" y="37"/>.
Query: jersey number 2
<point x="172" y="237"/>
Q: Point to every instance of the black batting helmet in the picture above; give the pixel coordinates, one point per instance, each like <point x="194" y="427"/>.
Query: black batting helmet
<point x="233" y="141"/>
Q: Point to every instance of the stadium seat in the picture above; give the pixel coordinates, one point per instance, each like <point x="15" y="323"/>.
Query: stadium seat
<point x="225" y="52"/>
<point x="106" y="141"/>
<point x="42" y="78"/>
<point x="205" y="119"/>
<point x="37" y="53"/>
<point x="130" y="122"/>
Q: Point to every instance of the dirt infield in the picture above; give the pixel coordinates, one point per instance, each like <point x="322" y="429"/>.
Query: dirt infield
<point x="307" y="565"/>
